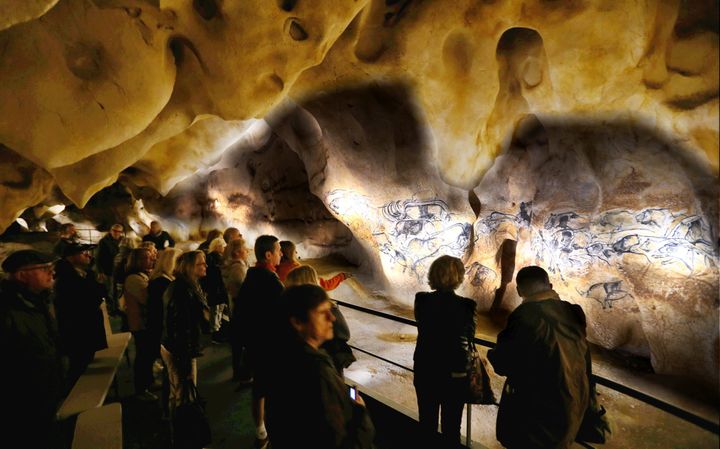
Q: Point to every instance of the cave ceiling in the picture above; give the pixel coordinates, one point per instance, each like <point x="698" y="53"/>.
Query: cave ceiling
<point x="583" y="131"/>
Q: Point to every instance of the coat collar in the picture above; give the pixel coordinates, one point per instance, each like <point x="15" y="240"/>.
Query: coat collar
<point x="266" y="266"/>
<point x="23" y="297"/>
<point x="542" y="296"/>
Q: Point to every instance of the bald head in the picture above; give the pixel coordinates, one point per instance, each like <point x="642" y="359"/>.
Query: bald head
<point x="532" y="280"/>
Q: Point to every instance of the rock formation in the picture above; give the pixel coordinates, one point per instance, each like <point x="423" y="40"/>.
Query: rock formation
<point x="578" y="135"/>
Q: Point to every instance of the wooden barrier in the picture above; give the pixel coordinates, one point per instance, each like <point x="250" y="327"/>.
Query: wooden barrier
<point x="99" y="428"/>
<point x="106" y="319"/>
<point x="92" y="387"/>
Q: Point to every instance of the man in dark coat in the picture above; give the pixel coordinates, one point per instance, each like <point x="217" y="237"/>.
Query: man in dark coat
<point x="68" y="236"/>
<point x="108" y="247"/>
<point x="542" y="351"/>
<point x="258" y="314"/>
<point x="32" y="371"/>
<point x="160" y="238"/>
<point x="78" y="296"/>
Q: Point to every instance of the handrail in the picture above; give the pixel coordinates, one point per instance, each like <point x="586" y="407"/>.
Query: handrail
<point x="382" y="358"/>
<point x="620" y="388"/>
<point x="398" y="319"/>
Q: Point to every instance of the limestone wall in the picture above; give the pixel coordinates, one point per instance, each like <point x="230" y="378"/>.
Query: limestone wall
<point x="578" y="135"/>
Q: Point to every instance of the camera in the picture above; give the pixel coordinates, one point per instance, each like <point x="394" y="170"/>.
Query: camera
<point x="353" y="392"/>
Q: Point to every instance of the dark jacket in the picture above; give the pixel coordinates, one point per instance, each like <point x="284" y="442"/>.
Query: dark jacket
<point x="258" y="311"/>
<point x="77" y="305"/>
<point x="313" y="408"/>
<point x="337" y="348"/>
<point x="542" y="351"/>
<point x="213" y="284"/>
<point x="154" y="307"/>
<point x="107" y="249"/>
<point x="61" y="244"/>
<point x="184" y="320"/>
<point x="32" y="371"/>
<point x="445" y="321"/>
<point x="160" y="240"/>
<point x="204" y="246"/>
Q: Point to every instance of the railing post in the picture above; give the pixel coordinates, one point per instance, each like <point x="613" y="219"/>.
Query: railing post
<point x="468" y="425"/>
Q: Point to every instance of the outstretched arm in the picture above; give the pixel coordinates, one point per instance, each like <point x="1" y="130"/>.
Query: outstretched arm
<point x="333" y="282"/>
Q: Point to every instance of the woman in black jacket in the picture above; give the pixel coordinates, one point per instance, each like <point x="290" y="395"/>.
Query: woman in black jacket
<point x="445" y="323"/>
<point x="214" y="287"/>
<point x="336" y="347"/>
<point x="314" y="409"/>
<point x="185" y="315"/>
<point x="160" y="279"/>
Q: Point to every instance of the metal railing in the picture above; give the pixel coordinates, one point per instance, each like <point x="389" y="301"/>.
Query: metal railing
<point x="685" y="415"/>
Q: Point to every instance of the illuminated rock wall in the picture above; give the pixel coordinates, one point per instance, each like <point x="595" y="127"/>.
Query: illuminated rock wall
<point x="370" y="160"/>
<point x="624" y="220"/>
<point x="412" y="121"/>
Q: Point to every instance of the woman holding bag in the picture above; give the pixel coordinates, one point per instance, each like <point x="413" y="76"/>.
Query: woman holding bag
<point x="445" y="321"/>
<point x="186" y="313"/>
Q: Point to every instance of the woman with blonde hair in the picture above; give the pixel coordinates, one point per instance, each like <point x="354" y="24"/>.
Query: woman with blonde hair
<point x="235" y="267"/>
<point x="185" y="310"/>
<point x="135" y="294"/>
<point x="160" y="278"/>
<point x="127" y="244"/>
<point x="445" y="322"/>
<point x="233" y="274"/>
<point x="337" y="347"/>
<point x="300" y="275"/>
<point x="214" y="287"/>
<point x="211" y="235"/>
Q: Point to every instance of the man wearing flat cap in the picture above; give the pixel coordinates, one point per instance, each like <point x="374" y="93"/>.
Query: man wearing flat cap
<point x="107" y="250"/>
<point x="78" y="296"/>
<point x="32" y="372"/>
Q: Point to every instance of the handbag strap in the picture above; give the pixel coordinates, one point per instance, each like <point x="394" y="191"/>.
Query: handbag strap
<point x="189" y="392"/>
<point x="471" y="342"/>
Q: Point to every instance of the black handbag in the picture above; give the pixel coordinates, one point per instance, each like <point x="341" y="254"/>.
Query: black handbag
<point x="479" y="389"/>
<point x="191" y="429"/>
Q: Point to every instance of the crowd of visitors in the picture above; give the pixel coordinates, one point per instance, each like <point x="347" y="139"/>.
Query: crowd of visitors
<point x="276" y="314"/>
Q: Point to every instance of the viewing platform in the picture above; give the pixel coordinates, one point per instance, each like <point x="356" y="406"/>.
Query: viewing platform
<point x="646" y="412"/>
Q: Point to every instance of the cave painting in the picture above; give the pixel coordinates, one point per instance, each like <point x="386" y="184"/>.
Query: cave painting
<point x="478" y="274"/>
<point x="568" y="243"/>
<point x="678" y="240"/>
<point x="492" y="222"/>
<point x="606" y="293"/>
<point x="409" y="233"/>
